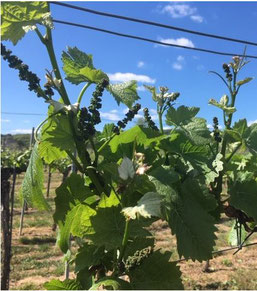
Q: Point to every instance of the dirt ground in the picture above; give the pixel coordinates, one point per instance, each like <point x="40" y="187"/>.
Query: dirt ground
<point x="36" y="258"/>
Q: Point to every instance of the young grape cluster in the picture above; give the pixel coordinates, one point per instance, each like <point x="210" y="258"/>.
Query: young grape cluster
<point x="149" y="120"/>
<point x="88" y="118"/>
<point x="24" y="73"/>
<point x="226" y="69"/>
<point x="129" y="116"/>
<point x="216" y="131"/>
<point x="137" y="259"/>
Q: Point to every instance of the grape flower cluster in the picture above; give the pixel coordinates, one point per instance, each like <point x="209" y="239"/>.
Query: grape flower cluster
<point x="129" y="116"/>
<point x="149" y="120"/>
<point x="88" y="118"/>
<point x="137" y="259"/>
<point x="216" y="131"/>
<point x="25" y="74"/>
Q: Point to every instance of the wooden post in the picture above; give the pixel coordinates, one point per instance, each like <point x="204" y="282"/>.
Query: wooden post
<point x="6" y="234"/>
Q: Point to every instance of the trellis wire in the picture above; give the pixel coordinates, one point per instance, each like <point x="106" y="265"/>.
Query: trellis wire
<point x="221" y="251"/>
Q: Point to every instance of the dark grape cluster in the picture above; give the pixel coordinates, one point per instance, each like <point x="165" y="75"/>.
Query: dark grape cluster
<point x="129" y="116"/>
<point x="136" y="260"/>
<point x="226" y="69"/>
<point x="149" y="121"/>
<point x="96" y="100"/>
<point x="85" y="126"/>
<point x="216" y="131"/>
<point x="24" y="73"/>
<point x="88" y="118"/>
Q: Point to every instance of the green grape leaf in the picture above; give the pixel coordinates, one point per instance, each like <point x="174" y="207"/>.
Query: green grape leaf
<point x="156" y="273"/>
<point x="233" y="235"/>
<point x="227" y="110"/>
<point x="147" y="206"/>
<point x="181" y="116"/>
<point x="251" y="141"/>
<point x="67" y="284"/>
<point x="32" y="185"/>
<point x="108" y="225"/>
<point x="187" y="211"/>
<point x="16" y="15"/>
<point x="73" y="61"/>
<point x="243" y="195"/>
<point x="60" y="134"/>
<point x="126" y="169"/>
<point x="142" y="136"/>
<point x="71" y="192"/>
<point x="110" y="201"/>
<point x="163" y="177"/>
<point x="125" y="93"/>
<point x="107" y="130"/>
<point x="197" y="131"/>
<point x="46" y="149"/>
<point x="218" y="163"/>
<point x="138" y="243"/>
<point x="111" y="282"/>
<point x="152" y="89"/>
<point x="88" y="255"/>
<point x="77" y="222"/>
<point x="92" y="75"/>
<point x="242" y="82"/>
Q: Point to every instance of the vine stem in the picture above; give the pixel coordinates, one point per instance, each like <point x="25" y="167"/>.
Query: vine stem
<point x="124" y="240"/>
<point x="48" y="42"/>
<point x="82" y="92"/>
<point x="160" y="119"/>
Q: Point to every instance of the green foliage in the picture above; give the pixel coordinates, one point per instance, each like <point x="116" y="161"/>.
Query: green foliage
<point x="181" y="116"/>
<point x="78" y="67"/>
<point x="156" y="273"/>
<point x="243" y="196"/>
<point x="125" y="92"/>
<point x="111" y="283"/>
<point x="233" y="238"/>
<point x="32" y="186"/>
<point x="126" y="179"/>
<point x="17" y="15"/>
<point x="65" y="285"/>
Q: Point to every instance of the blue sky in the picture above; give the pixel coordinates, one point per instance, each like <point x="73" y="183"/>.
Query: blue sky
<point x="180" y="70"/>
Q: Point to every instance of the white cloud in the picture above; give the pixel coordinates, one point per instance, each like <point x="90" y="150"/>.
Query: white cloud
<point x="179" y="41"/>
<point x="178" y="10"/>
<point x="249" y="123"/>
<point x="110" y="116"/>
<point x="141" y="88"/>
<point x="114" y="111"/>
<point x="125" y="77"/>
<point x="182" y="10"/>
<point x="197" y="18"/>
<point x="177" y="66"/>
<point x="180" y="58"/>
<point x="23" y="131"/>
<point x="5" y="120"/>
<point x="140" y="64"/>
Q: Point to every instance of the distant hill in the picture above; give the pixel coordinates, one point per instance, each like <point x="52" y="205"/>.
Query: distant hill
<point x="15" y="142"/>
